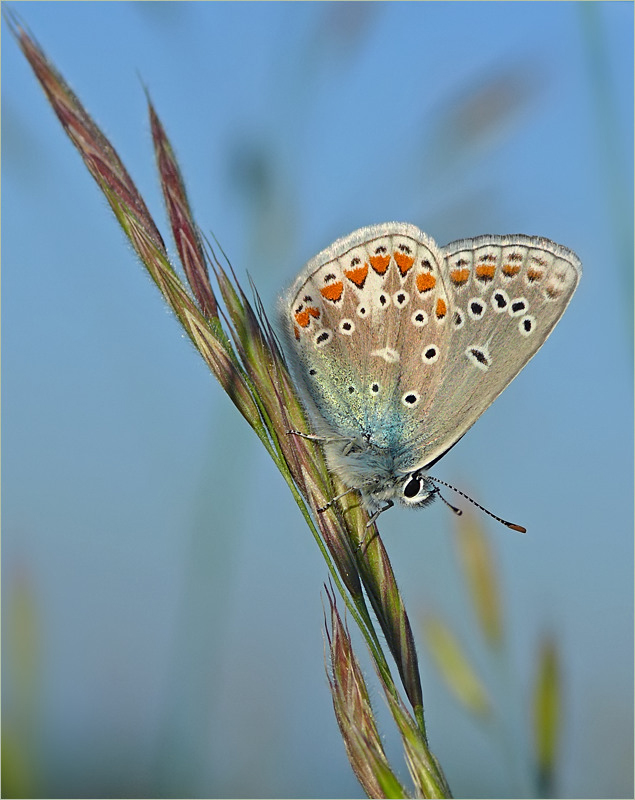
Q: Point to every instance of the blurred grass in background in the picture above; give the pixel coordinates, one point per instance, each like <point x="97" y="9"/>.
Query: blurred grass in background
<point x="137" y="564"/>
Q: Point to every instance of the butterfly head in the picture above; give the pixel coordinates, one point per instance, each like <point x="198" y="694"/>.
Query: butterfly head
<point x="377" y="473"/>
<point x="413" y="491"/>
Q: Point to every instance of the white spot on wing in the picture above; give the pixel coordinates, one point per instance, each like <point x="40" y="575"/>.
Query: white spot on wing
<point x="389" y="355"/>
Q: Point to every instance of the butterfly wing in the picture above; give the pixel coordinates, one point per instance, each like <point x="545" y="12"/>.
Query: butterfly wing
<point x="352" y="313"/>
<point x="406" y="344"/>
<point x="505" y="296"/>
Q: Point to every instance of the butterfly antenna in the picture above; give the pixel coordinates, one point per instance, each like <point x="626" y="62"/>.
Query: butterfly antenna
<point x="458" y="511"/>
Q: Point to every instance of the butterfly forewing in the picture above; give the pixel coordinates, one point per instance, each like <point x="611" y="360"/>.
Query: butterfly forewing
<point x="355" y="312"/>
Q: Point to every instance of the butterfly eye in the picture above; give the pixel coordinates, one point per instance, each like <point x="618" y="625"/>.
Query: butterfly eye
<point x="412" y="488"/>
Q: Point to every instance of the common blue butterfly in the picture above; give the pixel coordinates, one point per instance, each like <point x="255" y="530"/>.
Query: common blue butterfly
<point x="398" y="345"/>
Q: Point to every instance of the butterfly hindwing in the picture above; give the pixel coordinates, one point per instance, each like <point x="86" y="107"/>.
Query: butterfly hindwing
<point x="506" y="295"/>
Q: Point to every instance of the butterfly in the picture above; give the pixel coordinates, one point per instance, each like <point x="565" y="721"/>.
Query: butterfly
<point x="397" y="346"/>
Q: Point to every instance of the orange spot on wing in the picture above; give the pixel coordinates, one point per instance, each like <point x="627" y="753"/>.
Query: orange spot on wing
<point x="459" y="276"/>
<point x="357" y="275"/>
<point x="380" y="263"/>
<point x="509" y="270"/>
<point x="404" y="261"/>
<point x="333" y="291"/>
<point x="485" y="272"/>
<point x="441" y="308"/>
<point x="303" y="318"/>
<point x="534" y="274"/>
<point x="425" y="281"/>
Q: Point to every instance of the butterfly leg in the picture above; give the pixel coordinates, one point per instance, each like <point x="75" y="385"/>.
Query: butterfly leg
<point x="334" y="499"/>
<point x="389" y="504"/>
<point x="366" y="541"/>
<point x="312" y="437"/>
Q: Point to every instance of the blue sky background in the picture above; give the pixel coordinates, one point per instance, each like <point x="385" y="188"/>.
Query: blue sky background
<point x="162" y="598"/>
